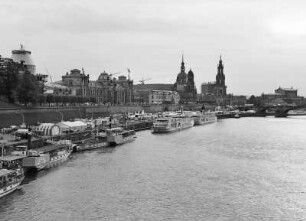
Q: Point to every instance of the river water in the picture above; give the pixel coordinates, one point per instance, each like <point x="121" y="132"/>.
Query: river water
<point x="235" y="169"/>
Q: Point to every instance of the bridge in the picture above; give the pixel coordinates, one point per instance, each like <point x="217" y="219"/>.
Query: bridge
<point x="277" y="111"/>
<point x="273" y="110"/>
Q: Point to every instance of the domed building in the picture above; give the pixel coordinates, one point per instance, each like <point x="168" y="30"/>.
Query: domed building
<point x="23" y="56"/>
<point x="185" y="85"/>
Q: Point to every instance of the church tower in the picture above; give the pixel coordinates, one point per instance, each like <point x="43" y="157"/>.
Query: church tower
<point x="183" y="65"/>
<point x="220" y="78"/>
<point x="220" y="88"/>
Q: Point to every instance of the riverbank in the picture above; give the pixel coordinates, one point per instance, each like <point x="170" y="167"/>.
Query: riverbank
<point x="55" y="114"/>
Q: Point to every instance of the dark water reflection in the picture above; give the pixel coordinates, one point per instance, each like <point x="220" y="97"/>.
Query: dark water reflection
<point x="236" y="169"/>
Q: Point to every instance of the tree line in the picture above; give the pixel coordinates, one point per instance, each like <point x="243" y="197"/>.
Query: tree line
<point x="18" y="85"/>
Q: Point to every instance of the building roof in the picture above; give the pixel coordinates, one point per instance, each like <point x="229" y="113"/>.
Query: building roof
<point x="147" y="87"/>
<point x="286" y="89"/>
<point x="12" y="157"/>
<point x="72" y="124"/>
<point x="52" y="85"/>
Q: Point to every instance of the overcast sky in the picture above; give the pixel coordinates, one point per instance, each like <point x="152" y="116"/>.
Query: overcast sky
<point x="262" y="42"/>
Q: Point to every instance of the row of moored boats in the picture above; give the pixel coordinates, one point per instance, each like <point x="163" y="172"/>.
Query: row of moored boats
<point x="52" y="153"/>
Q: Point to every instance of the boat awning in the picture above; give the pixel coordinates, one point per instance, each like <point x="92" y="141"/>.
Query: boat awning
<point x="12" y="158"/>
<point x="4" y="172"/>
<point x="49" y="148"/>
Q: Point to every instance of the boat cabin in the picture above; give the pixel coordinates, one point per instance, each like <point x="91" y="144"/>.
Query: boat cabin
<point x="119" y="131"/>
<point x="11" y="162"/>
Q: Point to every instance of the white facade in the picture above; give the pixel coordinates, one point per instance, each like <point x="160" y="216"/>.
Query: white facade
<point x="162" y="96"/>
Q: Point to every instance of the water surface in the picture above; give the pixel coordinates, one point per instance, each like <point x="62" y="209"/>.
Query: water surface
<point x="235" y="169"/>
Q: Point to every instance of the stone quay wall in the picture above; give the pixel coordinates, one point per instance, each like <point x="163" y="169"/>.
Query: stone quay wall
<point x="53" y="114"/>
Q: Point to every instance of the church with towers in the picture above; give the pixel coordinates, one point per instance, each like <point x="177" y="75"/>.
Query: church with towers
<point x="217" y="88"/>
<point x="185" y="85"/>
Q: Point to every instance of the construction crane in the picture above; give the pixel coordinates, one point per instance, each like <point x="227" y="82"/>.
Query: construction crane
<point x="49" y="74"/>
<point x="143" y="80"/>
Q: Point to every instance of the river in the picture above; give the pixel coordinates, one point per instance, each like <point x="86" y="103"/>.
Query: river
<point x="235" y="169"/>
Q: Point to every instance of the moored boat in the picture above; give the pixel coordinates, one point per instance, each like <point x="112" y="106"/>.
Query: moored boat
<point x="98" y="141"/>
<point x="201" y="118"/>
<point x="47" y="156"/>
<point x="118" y="135"/>
<point x="10" y="180"/>
<point x="172" y="123"/>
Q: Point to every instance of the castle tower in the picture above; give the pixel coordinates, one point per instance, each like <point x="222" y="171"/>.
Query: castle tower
<point x="23" y="56"/>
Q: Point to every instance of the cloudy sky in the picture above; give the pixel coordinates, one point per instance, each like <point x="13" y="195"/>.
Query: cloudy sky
<point x="262" y="42"/>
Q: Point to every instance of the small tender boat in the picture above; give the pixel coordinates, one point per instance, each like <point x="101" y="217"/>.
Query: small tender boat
<point x="118" y="135"/>
<point x="237" y="116"/>
<point x="10" y="180"/>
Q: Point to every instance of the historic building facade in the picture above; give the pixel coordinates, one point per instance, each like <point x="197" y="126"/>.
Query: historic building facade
<point x="163" y="97"/>
<point x="282" y="96"/>
<point x="105" y="89"/>
<point x="155" y="94"/>
<point x="185" y="85"/>
<point x="217" y="88"/>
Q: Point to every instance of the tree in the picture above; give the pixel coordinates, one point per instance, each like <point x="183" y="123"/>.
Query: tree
<point x="50" y="99"/>
<point x="58" y="99"/>
<point x="256" y="101"/>
<point x="92" y="100"/>
<point x="27" y="88"/>
<point x="9" y="80"/>
<point x="41" y="99"/>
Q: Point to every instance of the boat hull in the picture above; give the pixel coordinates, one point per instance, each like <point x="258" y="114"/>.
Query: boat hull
<point x="91" y="146"/>
<point x="202" y="120"/>
<point x="173" y="125"/>
<point x="11" y="188"/>
<point x="120" y="140"/>
<point x="42" y="163"/>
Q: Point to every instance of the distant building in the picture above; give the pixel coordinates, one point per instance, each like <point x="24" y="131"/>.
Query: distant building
<point x="23" y="56"/>
<point x="287" y="92"/>
<point x="143" y="91"/>
<point x="217" y="88"/>
<point x="282" y="96"/>
<point x="185" y="85"/>
<point x="105" y="89"/>
<point x="77" y="82"/>
<point x="163" y="97"/>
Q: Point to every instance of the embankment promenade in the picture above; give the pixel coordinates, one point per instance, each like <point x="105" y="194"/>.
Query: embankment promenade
<point x="31" y="116"/>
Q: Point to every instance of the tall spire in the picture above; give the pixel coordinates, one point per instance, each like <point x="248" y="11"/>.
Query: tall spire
<point x="183" y="64"/>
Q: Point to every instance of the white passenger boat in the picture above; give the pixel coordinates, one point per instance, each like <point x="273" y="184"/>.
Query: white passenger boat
<point x="118" y="135"/>
<point x="10" y="180"/>
<point x="47" y="156"/>
<point x="201" y="118"/>
<point x="172" y="123"/>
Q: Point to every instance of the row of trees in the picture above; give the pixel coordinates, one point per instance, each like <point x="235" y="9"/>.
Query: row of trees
<point x="59" y="100"/>
<point x="17" y="83"/>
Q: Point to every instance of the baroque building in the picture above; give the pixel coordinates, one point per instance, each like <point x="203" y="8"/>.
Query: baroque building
<point x="217" y="88"/>
<point x="105" y="89"/>
<point x="185" y="85"/>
